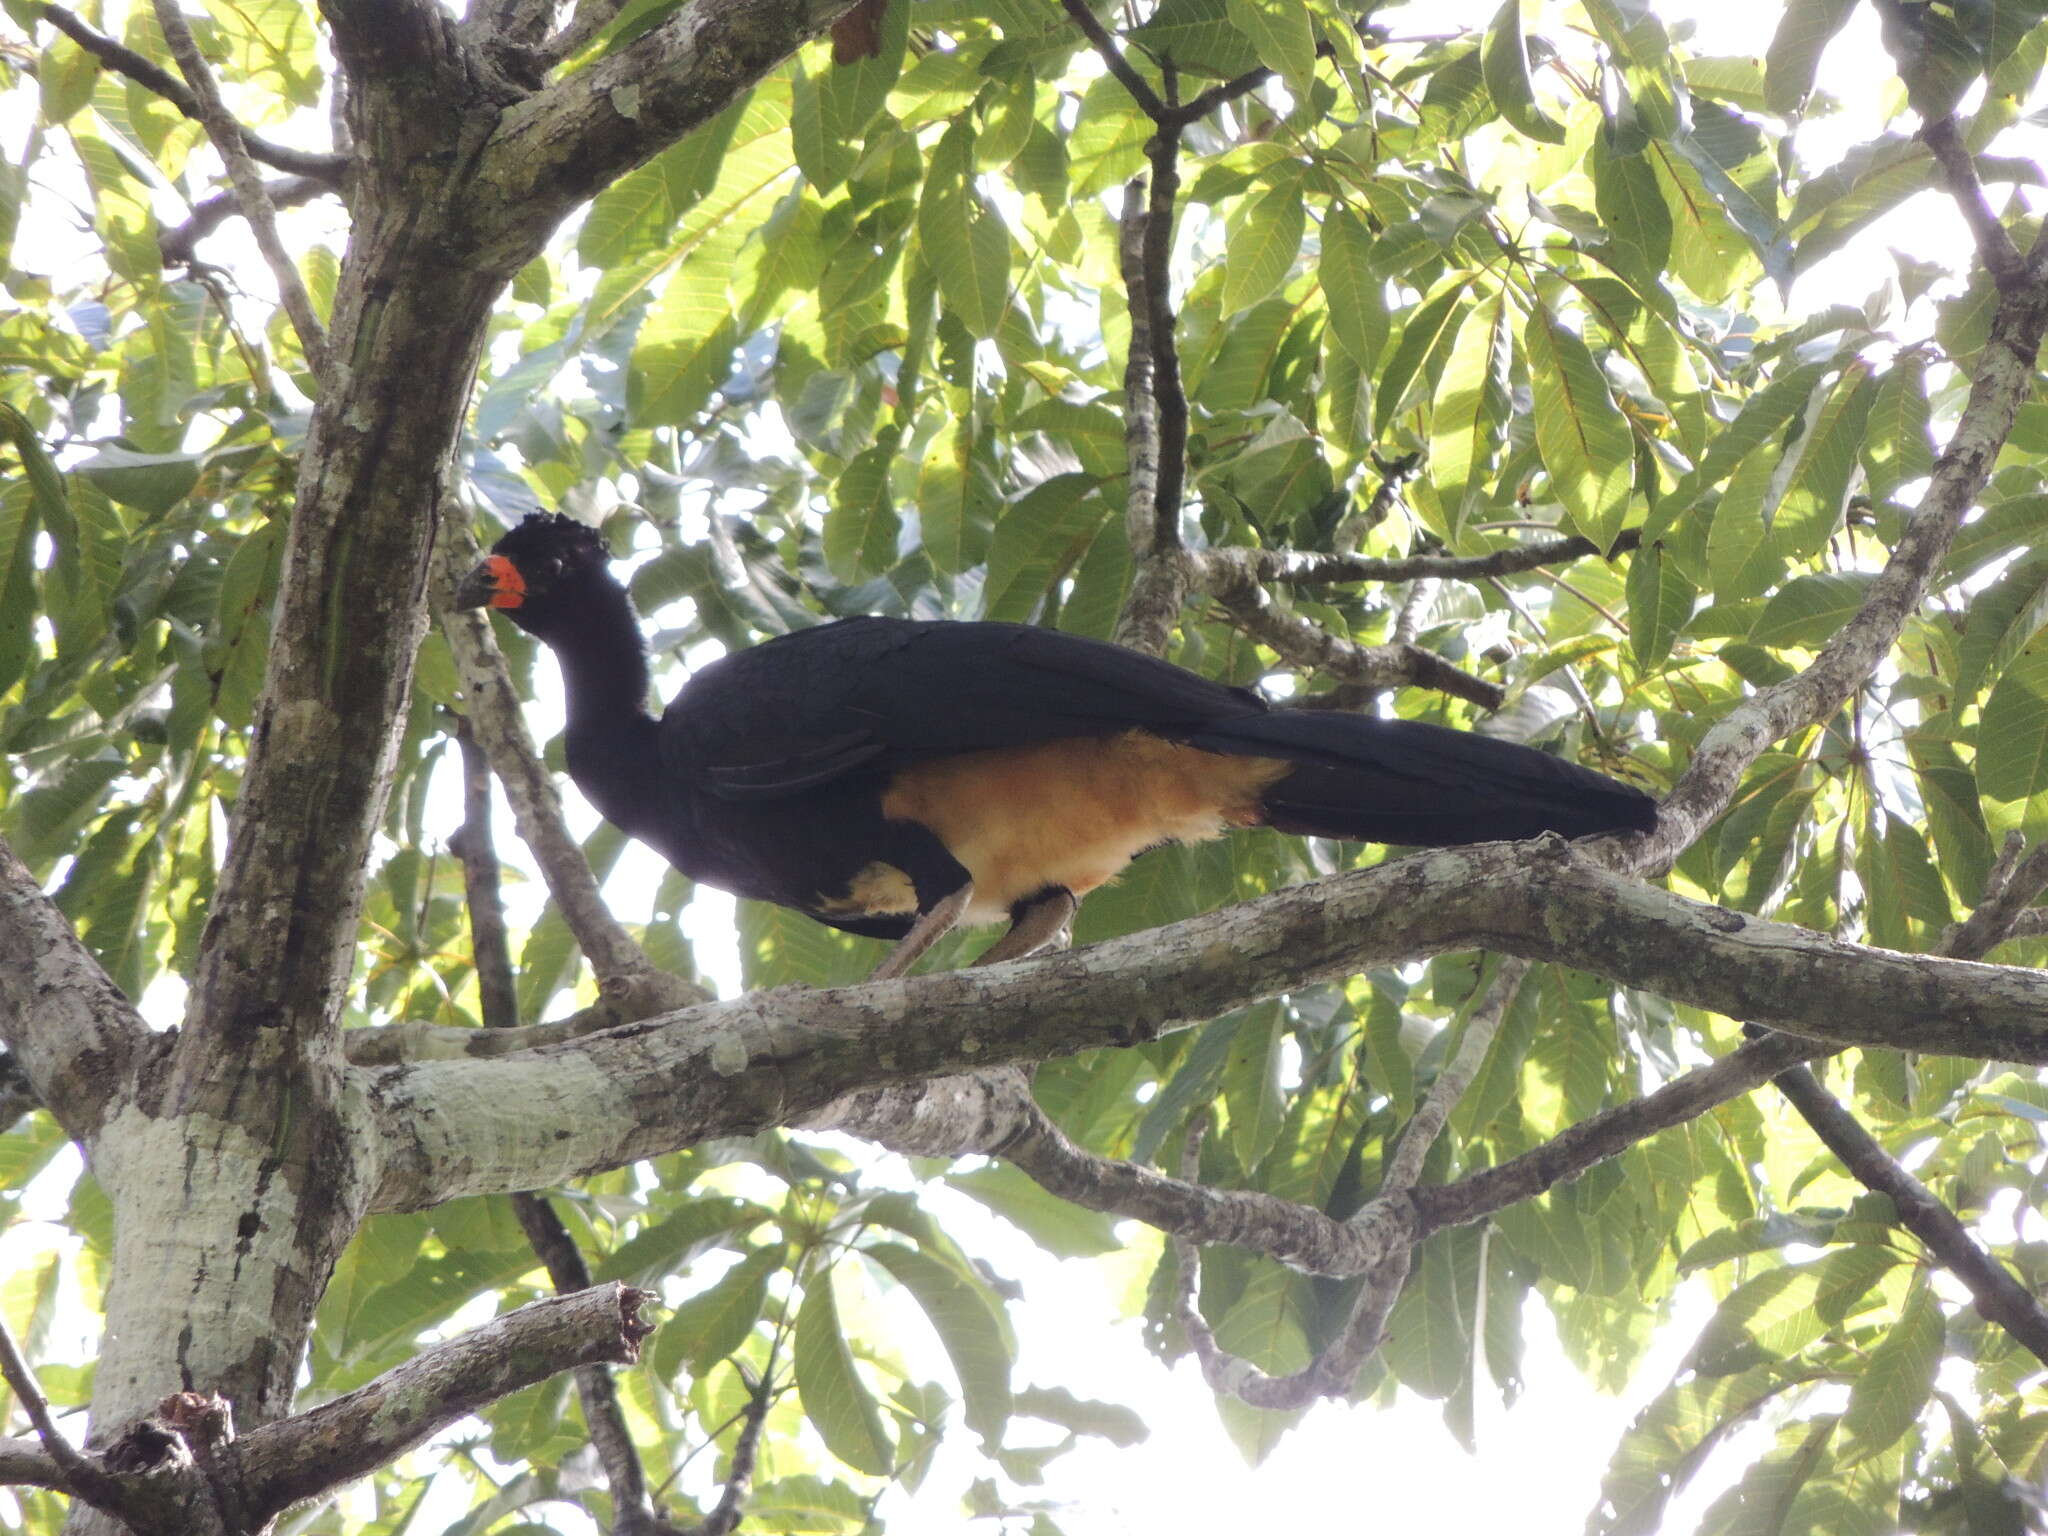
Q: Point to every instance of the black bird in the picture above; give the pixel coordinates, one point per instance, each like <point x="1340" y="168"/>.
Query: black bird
<point x="895" y="778"/>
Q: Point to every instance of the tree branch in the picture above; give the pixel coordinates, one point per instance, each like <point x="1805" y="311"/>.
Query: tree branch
<point x="556" y="148"/>
<point x="247" y="181"/>
<point x="1312" y="570"/>
<point x="1404" y="1167"/>
<point x="24" y="1464"/>
<point x="1995" y="249"/>
<point x="81" y="1476"/>
<point x="733" y="1067"/>
<point x="303" y="1456"/>
<point x="2002" y="382"/>
<point x="1608" y="1134"/>
<point x="633" y="1510"/>
<point x="324" y="168"/>
<point x="71" y="1034"/>
<point x="1309" y="646"/>
<point x="180" y="245"/>
<point x="1999" y="1297"/>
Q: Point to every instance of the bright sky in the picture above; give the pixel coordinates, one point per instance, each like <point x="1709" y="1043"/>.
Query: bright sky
<point x="1539" y="1463"/>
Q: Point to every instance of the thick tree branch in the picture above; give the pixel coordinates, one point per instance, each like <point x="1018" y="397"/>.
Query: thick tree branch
<point x="24" y="1464"/>
<point x="324" y="168"/>
<point x="303" y="1456"/>
<point x="247" y="181"/>
<point x="553" y="150"/>
<point x="731" y="1068"/>
<point x="70" y="1033"/>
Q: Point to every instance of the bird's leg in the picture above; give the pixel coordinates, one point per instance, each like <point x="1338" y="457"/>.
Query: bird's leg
<point x="1034" y="925"/>
<point x="930" y="927"/>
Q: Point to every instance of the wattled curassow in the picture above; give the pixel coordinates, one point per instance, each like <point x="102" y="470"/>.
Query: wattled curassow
<point x="895" y="778"/>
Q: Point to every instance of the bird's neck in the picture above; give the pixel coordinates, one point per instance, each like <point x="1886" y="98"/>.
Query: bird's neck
<point x="604" y="665"/>
<point x="610" y="735"/>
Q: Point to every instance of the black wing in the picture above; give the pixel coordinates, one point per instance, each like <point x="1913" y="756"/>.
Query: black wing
<point x="811" y="707"/>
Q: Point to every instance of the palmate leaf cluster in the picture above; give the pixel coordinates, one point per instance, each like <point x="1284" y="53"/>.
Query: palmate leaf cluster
<point x="857" y="346"/>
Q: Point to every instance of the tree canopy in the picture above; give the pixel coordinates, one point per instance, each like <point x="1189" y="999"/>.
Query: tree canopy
<point x="1376" y="361"/>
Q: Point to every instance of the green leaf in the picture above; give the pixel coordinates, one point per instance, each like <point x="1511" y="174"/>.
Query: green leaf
<point x="1632" y="209"/>
<point x="1804" y="29"/>
<point x="1081" y="1416"/>
<point x="1898" y="445"/>
<point x="1469" y="419"/>
<point x="1427" y="325"/>
<point x="1037" y="540"/>
<point x="148" y="482"/>
<point x="854" y="92"/>
<point x="1065" y="1230"/>
<point x="2002" y="618"/>
<point x="684" y="350"/>
<point x="1284" y="37"/>
<point x="2012" y="737"/>
<point x="714" y="1323"/>
<point x="1354" y="298"/>
<point x="668" y="1245"/>
<point x="1259" y="250"/>
<point x="835" y="1398"/>
<point x="1251" y="1082"/>
<point x="1660" y="602"/>
<point x="969" y="1327"/>
<point x="861" y="528"/>
<point x="1198" y="35"/>
<point x="963" y="237"/>
<point x="1505" y="63"/>
<point x="1584" y="438"/>
<point x="1742" y="560"/>
<point x="1809" y="610"/>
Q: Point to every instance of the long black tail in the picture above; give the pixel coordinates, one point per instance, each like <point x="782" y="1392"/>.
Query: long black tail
<point x="1399" y="781"/>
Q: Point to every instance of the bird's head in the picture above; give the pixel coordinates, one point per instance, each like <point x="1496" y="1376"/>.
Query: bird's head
<point x="539" y="573"/>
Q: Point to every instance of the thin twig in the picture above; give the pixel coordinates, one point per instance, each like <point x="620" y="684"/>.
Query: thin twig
<point x="325" y="168"/>
<point x="1112" y="57"/>
<point x="1998" y="1296"/>
<point x="545" y="1231"/>
<point x="180" y="245"/>
<point x="2013" y="882"/>
<point x="1995" y="249"/>
<point x="1404" y="1167"/>
<point x="1309" y="646"/>
<point x="1314" y="570"/>
<point x="87" y="1480"/>
<point x="731" y="1507"/>
<point x="226" y="135"/>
